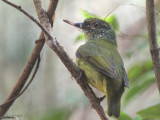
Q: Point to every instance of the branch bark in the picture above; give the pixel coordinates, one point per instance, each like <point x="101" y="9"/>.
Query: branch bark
<point x="29" y="65"/>
<point x="70" y="65"/>
<point x="153" y="43"/>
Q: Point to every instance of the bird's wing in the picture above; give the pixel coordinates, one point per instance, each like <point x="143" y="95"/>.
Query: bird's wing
<point x="100" y="59"/>
<point x="125" y="78"/>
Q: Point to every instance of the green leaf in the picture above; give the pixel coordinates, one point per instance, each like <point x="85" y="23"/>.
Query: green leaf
<point x="138" y="118"/>
<point x="87" y="14"/>
<point x="148" y="79"/>
<point x="159" y="39"/>
<point x="150" y="113"/>
<point x="138" y="69"/>
<point x="57" y="114"/>
<point x="134" y="72"/>
<point x="124" y="116"/>
<point x="79" y="38"/>
<point x="111" y="19"/>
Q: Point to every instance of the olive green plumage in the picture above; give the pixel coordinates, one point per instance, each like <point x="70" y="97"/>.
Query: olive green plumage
<point x="101" y="61"/>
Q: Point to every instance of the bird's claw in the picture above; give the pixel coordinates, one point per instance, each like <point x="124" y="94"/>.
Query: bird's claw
<point x="80" y="75"/>
<point x="101" y="99"/>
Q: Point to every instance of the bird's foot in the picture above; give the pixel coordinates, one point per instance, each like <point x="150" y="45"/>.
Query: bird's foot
<point x="40" y="40"/>
<point x="101" y="99"/>
<point x="80" y="75"/>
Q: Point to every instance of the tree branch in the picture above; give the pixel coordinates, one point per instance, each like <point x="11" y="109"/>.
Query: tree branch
<point x="24" y="89"/>
<point x="153" y="43"/>
<point x="74" y="70"/>
<point x="70" y="65"/>
<point x="29" y="66"/>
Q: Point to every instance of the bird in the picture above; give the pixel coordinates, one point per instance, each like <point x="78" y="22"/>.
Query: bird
<point x="101" y="62"/>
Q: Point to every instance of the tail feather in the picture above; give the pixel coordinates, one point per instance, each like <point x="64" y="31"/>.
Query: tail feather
<point x="114" y="107"/>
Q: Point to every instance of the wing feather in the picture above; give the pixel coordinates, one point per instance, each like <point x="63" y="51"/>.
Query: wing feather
<point x="100" y="60"/>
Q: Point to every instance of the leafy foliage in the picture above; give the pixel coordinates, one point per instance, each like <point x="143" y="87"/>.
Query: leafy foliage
<point x="151" y="113"/>
<point x="87" y="15"/>
<point x="113" y="21"/>
<point x="79" y="38"/>
<point x="138" y="118"/>
<point x="136" y="90"/>
<point x="141" y="76"/>
<point x="57" y="114"/>
<point x="139" y="69"/>
<point x="124" y="116"/>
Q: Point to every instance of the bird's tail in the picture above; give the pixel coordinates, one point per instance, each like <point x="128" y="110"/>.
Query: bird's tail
<point x="114" y="107"/>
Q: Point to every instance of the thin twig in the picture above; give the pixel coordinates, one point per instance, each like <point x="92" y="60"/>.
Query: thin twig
<point x="28" y="15"/>
<point x="31" y="61"/>
<point x="153" y="43"/>
<point x="9" y="117"/>
<point x="24" y="89"/>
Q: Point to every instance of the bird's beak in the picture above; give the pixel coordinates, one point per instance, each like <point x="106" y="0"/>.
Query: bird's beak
<point x="77" y="25"/>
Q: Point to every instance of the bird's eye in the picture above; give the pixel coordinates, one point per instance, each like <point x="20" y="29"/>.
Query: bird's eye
<point x="95" y="24"/>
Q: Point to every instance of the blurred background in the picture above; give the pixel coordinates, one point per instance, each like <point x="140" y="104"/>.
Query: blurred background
<point x="54" y="94"/>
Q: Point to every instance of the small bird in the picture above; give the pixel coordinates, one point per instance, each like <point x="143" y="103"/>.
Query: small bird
<point x="101" y="61"/>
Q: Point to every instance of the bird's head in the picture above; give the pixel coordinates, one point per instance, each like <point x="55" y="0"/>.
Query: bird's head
<point x="96" y="29"/>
